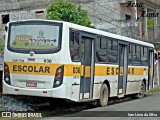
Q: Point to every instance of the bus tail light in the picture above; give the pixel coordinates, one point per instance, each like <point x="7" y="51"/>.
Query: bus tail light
<point x="6" y="74"/>
<point x="58" y="80"/>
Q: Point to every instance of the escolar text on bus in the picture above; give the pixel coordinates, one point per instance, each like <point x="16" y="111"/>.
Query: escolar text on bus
<point x="25" y="68"/>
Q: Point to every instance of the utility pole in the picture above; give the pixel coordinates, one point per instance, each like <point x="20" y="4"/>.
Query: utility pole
<point x="134" y="18"/>
<point x="145" y="28"/>
<point x="155" y="27"/>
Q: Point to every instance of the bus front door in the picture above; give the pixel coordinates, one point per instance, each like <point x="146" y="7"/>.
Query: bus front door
<point x="123" y="68"/>
<point x="87" y="69"/>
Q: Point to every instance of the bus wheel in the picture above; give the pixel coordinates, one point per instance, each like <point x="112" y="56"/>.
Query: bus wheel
<point x="14" y="43"/>
<point x="26" y="44"/>
<point x="142" y="90"/>
<point x="103" y="96"/>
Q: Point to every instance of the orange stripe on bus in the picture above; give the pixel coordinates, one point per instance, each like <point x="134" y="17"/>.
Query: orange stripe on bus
<point x="70" y="69"/>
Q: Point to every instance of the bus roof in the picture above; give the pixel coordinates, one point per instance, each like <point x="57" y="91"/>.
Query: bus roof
<point x="95" y="31"/>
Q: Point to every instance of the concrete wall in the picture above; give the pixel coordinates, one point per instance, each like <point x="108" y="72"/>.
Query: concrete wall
<point x="151" y="34"/>
<point x="24" y="9"/>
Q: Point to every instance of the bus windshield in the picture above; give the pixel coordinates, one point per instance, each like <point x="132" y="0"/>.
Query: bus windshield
<point x="35" y="36"/>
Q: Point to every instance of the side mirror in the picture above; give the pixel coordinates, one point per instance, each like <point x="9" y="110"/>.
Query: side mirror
<point x="6" y="28"/>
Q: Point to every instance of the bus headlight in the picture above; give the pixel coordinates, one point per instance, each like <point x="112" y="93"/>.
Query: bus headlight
<point x="6" y="74"/>
<point x="58" y="80"/>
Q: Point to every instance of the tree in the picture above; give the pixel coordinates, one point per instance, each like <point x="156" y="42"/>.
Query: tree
<point x="150" y="23"/>
<point x="1" y="44"/>
<point x="68" y="11"/>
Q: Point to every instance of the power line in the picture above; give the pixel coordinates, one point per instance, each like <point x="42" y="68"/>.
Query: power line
<point x="104" y="16"/>
<point x="132" y="34"/>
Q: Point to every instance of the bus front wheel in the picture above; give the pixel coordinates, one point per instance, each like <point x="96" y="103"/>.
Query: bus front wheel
<point x="103" y="101"/>
<point x="142" y="90"/>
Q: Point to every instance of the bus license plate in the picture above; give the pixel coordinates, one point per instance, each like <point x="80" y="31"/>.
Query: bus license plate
<point x="31" y="84"/>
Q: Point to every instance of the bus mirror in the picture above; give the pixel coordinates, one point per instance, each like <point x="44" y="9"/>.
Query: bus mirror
<point x="6" y="28"/>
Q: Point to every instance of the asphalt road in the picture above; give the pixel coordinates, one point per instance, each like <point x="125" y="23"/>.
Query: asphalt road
<point x="120" y="111"/>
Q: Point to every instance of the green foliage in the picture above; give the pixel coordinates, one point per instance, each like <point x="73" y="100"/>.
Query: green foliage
<point x="68" y="11"/>
<point x="1" y="43"/>
<point x="159" y="23"/>
<point x="150" y="23"/>
<point x="153" y="90"/>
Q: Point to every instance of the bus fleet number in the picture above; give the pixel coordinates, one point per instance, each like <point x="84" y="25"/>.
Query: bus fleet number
<point x="76" y="70"/>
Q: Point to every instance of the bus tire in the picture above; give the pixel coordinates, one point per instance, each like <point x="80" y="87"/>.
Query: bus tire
<point x="14" y="43"/>
<point x="103" y="101"/>
<point x="26" y="44"/>
<point x="142" y="90"/>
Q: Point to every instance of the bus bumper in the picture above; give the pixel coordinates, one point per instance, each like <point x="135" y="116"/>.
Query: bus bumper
<point x="59" y="92"/>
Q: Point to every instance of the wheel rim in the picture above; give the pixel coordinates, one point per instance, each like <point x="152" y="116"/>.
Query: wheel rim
<point x="142" y="90"/>
<point x="104" y="94"/>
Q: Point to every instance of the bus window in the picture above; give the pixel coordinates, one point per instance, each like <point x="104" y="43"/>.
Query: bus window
<point x="112" y="49"/>
<point x="109" y="46"/>
<point x="74" y="46"/>
<point x="144" y="57"/>
<point x="19" y="41"/>
<point x="112" y="57"/>
<point x="103" y="43"/>
<point x="101" y="55"/>
<point x="130" y="55"/>
<point x="98" y="43"/>
<point x="136" y="55"/>
<point x="115" y="45"/>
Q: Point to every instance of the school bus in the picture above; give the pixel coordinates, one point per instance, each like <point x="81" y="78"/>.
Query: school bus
<point x="84" y="64"/>
<point x="22" y="39"/>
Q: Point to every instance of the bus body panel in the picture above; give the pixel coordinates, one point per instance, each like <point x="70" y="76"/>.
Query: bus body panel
<point x="59" y="92"/>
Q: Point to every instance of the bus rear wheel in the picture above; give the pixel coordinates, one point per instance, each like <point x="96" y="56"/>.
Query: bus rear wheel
<point x="103" y="101"/>
<point x="142" y="90"/>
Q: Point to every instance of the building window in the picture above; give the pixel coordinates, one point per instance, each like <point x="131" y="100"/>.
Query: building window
<point x="39" y="13"/>
<point x="128" y="17"/>
<point x="5" y="19"/>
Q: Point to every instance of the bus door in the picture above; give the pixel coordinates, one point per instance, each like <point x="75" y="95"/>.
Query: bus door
<point x="123" y="70"/>
<point x="87" y="65"/>
<point x="150" y="69"/>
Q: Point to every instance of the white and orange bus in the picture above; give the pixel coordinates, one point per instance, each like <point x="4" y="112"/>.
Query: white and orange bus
<point x="74" y="62"/>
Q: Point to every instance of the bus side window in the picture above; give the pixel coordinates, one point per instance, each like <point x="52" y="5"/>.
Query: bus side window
<point x="101" y="56"/>
<point x="144" y="56"/>
<point x="74" y="46"/>
<point x="130" y="55"/>
<point x="136" y="55"/>
<point x="112" y="51"/>
<point x="100" y="50"/>
<point x="103" y="43"/>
